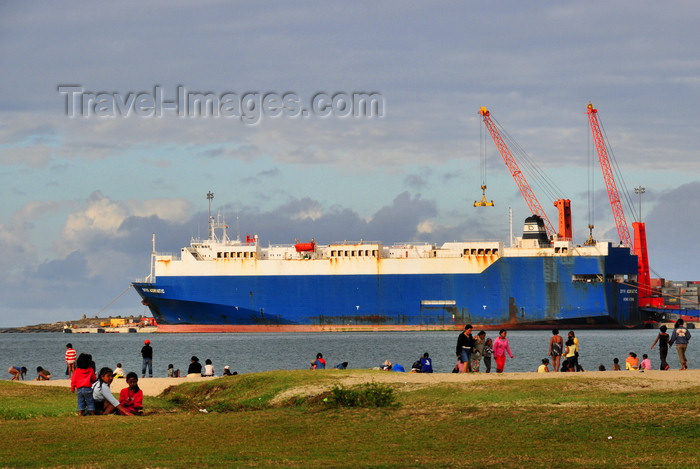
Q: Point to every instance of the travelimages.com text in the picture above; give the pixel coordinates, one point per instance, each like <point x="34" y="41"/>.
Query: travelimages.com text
<point x="249" y="107"/>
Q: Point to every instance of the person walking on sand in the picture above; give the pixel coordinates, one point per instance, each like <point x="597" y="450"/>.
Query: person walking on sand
<point x="465" y="342"/>
<point x="71" y="356"/>
<point x="500" y="348"/>
<point x="147" y="355"/>
<point x="556" y="348"/>
<point x="680" y="337"/>
<point x="662" y="339"/>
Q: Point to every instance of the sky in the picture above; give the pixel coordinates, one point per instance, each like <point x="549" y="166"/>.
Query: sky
<point x="97" y="153"/>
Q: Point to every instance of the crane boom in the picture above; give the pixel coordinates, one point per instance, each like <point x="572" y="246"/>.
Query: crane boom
<point x="525" y="189"/>
<point x="623" y="230"/>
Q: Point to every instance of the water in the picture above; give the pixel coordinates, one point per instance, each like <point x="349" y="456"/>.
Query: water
<point x="247" y="353"/>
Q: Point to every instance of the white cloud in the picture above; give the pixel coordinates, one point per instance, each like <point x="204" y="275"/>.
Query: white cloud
<point x="102" y="218"/>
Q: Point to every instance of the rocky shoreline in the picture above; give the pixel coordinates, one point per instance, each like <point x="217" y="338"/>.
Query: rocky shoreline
<point x="60" y="325"/>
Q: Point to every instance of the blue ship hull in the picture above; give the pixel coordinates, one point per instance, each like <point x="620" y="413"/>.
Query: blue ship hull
<point x="512" y="291"/>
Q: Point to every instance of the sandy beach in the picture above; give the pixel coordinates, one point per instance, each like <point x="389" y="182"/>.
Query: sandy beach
<point x="662" y="380"/>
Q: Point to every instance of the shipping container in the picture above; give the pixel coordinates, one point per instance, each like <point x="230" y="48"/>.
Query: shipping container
<point x="657" y="282"/>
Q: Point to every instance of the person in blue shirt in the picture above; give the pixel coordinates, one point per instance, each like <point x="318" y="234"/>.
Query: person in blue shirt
<point x="426" y="364"/>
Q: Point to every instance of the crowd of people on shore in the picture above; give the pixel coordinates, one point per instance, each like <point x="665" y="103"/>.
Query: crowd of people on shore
<point x="472" y="350"/>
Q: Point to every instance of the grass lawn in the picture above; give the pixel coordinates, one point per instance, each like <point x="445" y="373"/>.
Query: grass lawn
<point x="287" y="419"/>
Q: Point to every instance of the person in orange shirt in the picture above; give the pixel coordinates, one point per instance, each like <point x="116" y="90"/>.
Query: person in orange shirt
<point x="632" y="362"/>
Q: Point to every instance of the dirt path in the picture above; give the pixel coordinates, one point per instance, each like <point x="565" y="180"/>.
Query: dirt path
<point x="662" y="380"/>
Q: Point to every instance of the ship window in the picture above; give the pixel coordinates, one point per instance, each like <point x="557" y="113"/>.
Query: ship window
<point x="333" y="253"/>
<point x="354" y="254"/>
<point x="480" y="252"/>
<point x="252" y="255"/>
<point x="238" y="254"/>
<point x="487" y="252"/>
<point x="359" y="253"/>
<point x="495" y="252"/>
<point x="218" y="254"/>
<point x="367" y="253"/>
<point x="374" y="253"/>
<point x="347" y="253"/>
<point x="473" y="252"/>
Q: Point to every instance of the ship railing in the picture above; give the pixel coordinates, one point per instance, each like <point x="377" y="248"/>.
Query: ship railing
<point x="353" y="243"/>
<point x="171" y="254"/>
<point x="402" y="245"/>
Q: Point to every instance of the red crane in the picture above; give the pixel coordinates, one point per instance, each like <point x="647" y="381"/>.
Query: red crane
<point x="525" y="189"/>
<point x="640" y="235"/>
<point x="623" y="230"/>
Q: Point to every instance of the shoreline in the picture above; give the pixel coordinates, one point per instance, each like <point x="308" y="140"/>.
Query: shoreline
<point x="661" y="380"/>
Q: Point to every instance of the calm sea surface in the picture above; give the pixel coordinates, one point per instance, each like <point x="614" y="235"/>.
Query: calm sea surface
<point x="247" y="353"/>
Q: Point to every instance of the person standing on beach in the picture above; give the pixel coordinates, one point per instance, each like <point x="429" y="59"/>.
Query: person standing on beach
<point x="147" y="355"/>
<point x="465" y="342"/>
<point x="572" y="336"/>
<point x="478" y="351"/>
<point x="81" y="381"/>
<point x="556" y="347"/>
<point x="680" y="337"/>
<point x="500" y="348"/>
<point x="488" y="352"/>
<point x="662" y="339"/>
<point x="71" y="356"/>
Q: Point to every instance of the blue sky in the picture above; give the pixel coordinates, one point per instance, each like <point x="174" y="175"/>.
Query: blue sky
<point x="81" y="196"/>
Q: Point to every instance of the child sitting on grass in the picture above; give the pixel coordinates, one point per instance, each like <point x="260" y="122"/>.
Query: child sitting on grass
<point x="131" y="397"/>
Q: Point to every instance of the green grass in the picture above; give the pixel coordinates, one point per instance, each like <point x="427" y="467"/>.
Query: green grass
<point x="494" y="423"/>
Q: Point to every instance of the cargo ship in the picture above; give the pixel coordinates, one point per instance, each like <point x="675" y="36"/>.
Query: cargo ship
<point x="536" y="281"/>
